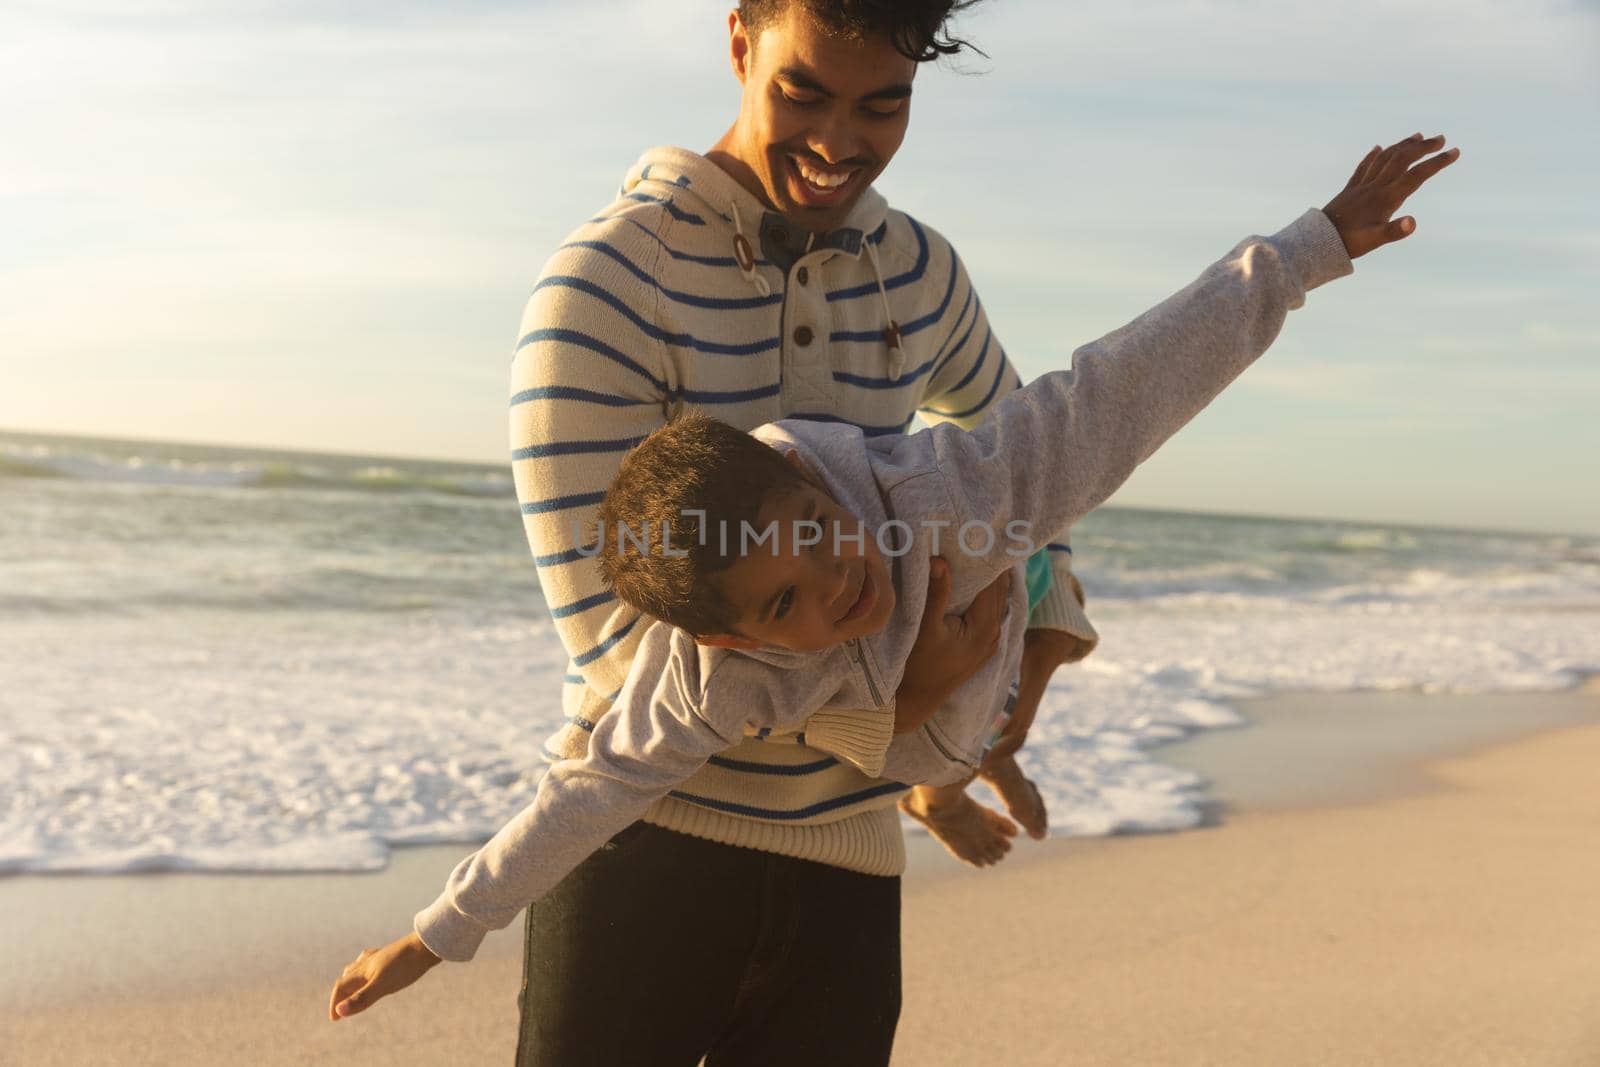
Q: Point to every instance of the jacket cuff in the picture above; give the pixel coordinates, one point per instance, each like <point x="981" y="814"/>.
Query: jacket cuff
<point x="1314" y="249"/>
<point x="859" y="736"/>
<point x="1061" y="610"/>
<point x="448" y="933"/>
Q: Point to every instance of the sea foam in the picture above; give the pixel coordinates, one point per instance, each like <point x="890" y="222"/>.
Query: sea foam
<point x="198" y="674"/>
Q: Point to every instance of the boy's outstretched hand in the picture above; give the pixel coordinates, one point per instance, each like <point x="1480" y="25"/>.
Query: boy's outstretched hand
<point x="378" y="972"/>
<point x="1381" y="183"/>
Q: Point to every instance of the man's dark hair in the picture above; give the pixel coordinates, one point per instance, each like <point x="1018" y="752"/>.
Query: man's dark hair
<point x="917" y="28"/>
<point x="692" y="464"/>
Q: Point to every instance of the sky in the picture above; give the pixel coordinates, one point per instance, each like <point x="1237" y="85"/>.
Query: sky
<point x="314" y="225"/>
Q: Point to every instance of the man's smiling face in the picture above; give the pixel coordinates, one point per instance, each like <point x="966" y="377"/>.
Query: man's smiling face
<point x="820" y="118"/>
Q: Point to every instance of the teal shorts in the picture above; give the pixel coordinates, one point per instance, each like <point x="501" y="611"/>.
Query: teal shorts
<point x="1038" y="577"/>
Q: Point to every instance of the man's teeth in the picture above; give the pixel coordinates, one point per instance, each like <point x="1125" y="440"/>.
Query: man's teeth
<point x="823" y="179"/>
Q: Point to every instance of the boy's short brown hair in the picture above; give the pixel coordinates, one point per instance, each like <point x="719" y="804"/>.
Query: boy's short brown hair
<point x="694" y="465"/>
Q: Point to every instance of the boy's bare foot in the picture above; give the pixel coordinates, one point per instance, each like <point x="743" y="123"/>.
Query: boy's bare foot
<point x="969" y="831"/>
<point x="1021" y="796"/>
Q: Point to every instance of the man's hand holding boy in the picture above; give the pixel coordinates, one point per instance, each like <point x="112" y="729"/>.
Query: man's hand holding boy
<point x="949" y="649"/>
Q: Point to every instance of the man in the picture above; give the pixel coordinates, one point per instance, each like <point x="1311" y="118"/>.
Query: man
<point x="753" y="915"/>
<point x="763" y="280"/>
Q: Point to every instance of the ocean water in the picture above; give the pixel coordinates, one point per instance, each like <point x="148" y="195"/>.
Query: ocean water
<point x="219" y="659"/>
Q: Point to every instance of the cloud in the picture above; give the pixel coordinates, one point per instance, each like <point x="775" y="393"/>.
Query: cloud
<point x="288" y="186"/>
<point x="1560" y="337"/>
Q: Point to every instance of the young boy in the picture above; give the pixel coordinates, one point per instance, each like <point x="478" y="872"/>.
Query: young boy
<point x="809" y="630"/>
<point x="700" y="483"/>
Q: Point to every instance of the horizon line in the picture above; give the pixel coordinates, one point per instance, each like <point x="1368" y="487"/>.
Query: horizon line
<point x="1402" y="524"/>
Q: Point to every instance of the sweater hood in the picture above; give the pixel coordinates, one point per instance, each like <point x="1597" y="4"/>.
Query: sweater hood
<point x="837" y="458"/>
<point x="760" y="241"/>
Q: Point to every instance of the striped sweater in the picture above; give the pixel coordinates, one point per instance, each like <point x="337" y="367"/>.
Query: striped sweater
<point x="645" y="312"/>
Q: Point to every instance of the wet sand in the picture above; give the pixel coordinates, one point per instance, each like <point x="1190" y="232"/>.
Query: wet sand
<point x="1385" y="878"/>
<point x="1454" y="921"/>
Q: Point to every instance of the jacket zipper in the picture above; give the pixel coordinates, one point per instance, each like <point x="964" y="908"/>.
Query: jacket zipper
<point x="951" y="756"/>
<point x="861" y="658"/>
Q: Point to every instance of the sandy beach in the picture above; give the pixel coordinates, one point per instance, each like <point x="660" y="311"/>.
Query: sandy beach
<point x="1423" y="893"/>
<point x="1456" y="924"/>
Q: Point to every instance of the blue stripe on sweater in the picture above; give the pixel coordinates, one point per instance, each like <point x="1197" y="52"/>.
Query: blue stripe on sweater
<point x="882" y="383"/>
<point x="578" y="607"/>
<point x="604" y="646"/>
<point x="709" y="261"/>
<point x="869" y="431"/>
<point x="649" y="329"/>
<point x="561" y="503"/>
<point x="961" y="345"/>
<point x="910" y="277"/>
<point x="907" y="328"/>
<point x="999" y="374"/>
<point x="961" y="316"/>
<point x="551" y="755"/>
<point x="719" y="303"/>
<point x="672" y="209"/>
<point x="972" y="371"/>
<point x="1052" y="546"/>
<point x="787" y="770"/>
<point x="572" y="392"/>
<point x="917" y="325"/>
<point x="859" y="336"/>
<point x="575" y="448"/>
<point x="730" y="396"/>
<point x="571" y="555"/>
<point x="681" y="181"/>
<point x="792" y="813"/>
<point x="695" y="396"/>
<point x="593" y="344"/>
<point x="876" y="237"/>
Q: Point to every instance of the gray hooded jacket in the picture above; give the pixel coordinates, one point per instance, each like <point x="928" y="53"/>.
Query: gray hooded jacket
<point x="1047" y="455"/>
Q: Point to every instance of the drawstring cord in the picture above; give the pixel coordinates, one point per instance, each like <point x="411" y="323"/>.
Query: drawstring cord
<point x="745" y="256"/>
<point x="891" y="332"/>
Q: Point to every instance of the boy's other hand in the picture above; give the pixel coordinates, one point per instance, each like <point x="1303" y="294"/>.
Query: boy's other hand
<point x="949" y="648"/>
<point x="1382" y="182"/>
<point x="378" y="972"/>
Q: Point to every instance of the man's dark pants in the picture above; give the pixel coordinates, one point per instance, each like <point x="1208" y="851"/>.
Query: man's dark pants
<point x="662" y="947"/>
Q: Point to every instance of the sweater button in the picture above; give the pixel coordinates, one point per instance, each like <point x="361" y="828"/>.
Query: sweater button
<point x="802" y="336"/>
<point x="780" y="235"/>
<point x="802" y="276"/>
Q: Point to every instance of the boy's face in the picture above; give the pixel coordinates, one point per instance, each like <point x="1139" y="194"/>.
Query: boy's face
<point x="807" y="589"/>
<point x="820" y="117"/>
